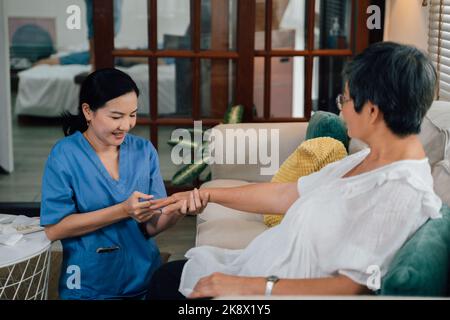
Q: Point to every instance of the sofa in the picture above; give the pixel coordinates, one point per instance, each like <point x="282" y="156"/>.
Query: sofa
<point x="227" y="228"/>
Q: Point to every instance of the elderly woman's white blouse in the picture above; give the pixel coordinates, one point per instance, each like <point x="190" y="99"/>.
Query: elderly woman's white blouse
<point x="337" y="226"/>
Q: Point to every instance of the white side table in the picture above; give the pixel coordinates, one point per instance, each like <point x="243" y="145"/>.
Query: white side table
<point x="24" y="268"/>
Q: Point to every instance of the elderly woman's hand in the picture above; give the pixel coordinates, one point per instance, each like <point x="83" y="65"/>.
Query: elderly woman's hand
<point x="196" y="202"/>
<point x="220" y="284"/>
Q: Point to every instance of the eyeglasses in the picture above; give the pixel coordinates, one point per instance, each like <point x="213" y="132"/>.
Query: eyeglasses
<point x="340" y="100"/>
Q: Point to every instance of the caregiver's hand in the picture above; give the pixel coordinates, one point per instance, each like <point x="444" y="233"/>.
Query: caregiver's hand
<point x="138" y="210"/>
<point x="196" y="202"/>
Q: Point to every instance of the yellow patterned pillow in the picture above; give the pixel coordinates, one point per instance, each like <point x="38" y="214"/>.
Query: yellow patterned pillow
<point x="311" y="156"/>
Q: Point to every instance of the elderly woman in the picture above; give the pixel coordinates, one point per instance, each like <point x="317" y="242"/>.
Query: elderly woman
<point x="343" y="221"/>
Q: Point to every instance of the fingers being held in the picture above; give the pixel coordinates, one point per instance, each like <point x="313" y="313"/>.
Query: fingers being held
<point x="179" y="208"/>
<point x="160" y="203"/>
<point x="197" y="202"/>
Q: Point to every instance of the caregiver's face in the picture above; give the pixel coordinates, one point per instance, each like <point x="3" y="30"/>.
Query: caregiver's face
<point x="113" y="121"/>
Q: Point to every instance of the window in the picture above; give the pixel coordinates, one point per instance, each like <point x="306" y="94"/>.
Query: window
<point x="280" y="59"/>
<point x="300" y="52"/>
<point x="439" y="45"/>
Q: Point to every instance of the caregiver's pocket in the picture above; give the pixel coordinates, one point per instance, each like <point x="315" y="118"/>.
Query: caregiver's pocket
<point x="107" y="249"/>
<point x="106" y="264"/>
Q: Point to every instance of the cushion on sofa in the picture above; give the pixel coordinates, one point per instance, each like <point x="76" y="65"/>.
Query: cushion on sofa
<point x="214" y="211"/>
<point x="311" y="156"/>
<point x="289" y="136"/>
<point x="441" y="179"/>
<point x="228" y="233"/>
<point x="421" y="266"/>
<point x="327" y="124"/>
<point x="435" y="132"/>
<point x="435" y="137"/>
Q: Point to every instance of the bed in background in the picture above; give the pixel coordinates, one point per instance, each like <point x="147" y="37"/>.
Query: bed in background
<point x="49" y="90"/>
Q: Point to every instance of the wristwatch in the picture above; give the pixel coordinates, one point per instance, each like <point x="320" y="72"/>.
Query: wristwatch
<point x="270" y="282"/>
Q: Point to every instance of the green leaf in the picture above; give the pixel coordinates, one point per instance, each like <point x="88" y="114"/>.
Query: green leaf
<point x="189" y="144"/>
<point x="234" y="114"/>
<point x="208" y="177"/>
<point x="188" y="173"/>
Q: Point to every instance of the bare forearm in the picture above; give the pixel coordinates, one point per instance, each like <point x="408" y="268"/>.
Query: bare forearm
<point x="257" y="198"/>
<point x="161" y="222"/>
<point x="77" y="224"/>
<point x="340" y="285"/>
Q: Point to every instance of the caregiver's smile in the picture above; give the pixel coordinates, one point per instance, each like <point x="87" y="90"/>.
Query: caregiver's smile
<point x="111" y="123"/>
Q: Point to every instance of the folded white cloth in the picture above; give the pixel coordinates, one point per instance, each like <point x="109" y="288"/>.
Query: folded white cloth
<point x="10" y="239"/>
<point x="9" y="235"/>
<point x="12" y="228"/>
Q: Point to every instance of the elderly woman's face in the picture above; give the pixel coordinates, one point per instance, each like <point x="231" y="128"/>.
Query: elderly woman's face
<point x="355" y="121"/>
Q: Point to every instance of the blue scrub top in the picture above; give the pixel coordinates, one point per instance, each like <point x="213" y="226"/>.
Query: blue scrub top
<point x="76" y="181"/>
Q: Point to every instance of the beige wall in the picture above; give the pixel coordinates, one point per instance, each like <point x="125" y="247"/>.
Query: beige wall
<point x="407" y="22"/>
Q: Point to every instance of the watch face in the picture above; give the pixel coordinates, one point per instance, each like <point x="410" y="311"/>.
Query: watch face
<point x="272" y="278"/>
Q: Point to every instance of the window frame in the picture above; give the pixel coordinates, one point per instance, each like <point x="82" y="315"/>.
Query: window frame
<point x="244" y="57"/>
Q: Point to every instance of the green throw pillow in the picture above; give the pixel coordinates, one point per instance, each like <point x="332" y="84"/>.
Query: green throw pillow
<point x="421" y="267"/>
<point x="327" y="124"/>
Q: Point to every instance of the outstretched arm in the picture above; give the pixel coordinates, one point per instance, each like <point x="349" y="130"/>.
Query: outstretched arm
<point x="257" y="198"/>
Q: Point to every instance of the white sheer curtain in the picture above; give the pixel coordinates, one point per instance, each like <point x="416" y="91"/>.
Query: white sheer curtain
<point x="439" y="44"/>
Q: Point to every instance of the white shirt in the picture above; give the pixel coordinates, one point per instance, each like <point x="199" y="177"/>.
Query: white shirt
<point x="337" y="226"/>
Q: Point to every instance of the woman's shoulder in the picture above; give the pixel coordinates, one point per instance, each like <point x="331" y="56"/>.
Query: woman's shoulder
<point x="416" y="173"/>
<point x="405" y="179"/>
<point x="140" y="147"/>
<point x="338" y="168"/>
<point x="357" y="156"/>
<point x="138" y="142"/>
<point x="64" y="150"/>
<point x="66" y="145"/>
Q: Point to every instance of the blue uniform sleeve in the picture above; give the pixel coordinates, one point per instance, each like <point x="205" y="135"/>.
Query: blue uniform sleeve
<point x="157" y="187"/>
<point x="57" y="199"/>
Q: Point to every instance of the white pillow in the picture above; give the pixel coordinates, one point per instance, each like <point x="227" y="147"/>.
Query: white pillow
<point x="441" y="177"/>
<point x="436" y="131"/>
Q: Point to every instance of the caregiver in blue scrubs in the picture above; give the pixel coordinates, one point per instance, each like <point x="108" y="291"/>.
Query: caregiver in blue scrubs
<point x="97" y="189"/>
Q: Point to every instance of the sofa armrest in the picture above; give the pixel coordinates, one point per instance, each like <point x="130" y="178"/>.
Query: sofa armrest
<point x="271" y="144"/>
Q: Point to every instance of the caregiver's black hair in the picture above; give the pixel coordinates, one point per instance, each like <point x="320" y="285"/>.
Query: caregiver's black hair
<point x="399" y="79"/>
<point x="96" y="90"/>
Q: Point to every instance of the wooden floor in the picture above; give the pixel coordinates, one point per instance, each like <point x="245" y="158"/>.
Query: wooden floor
<point x="32" y="144"/>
